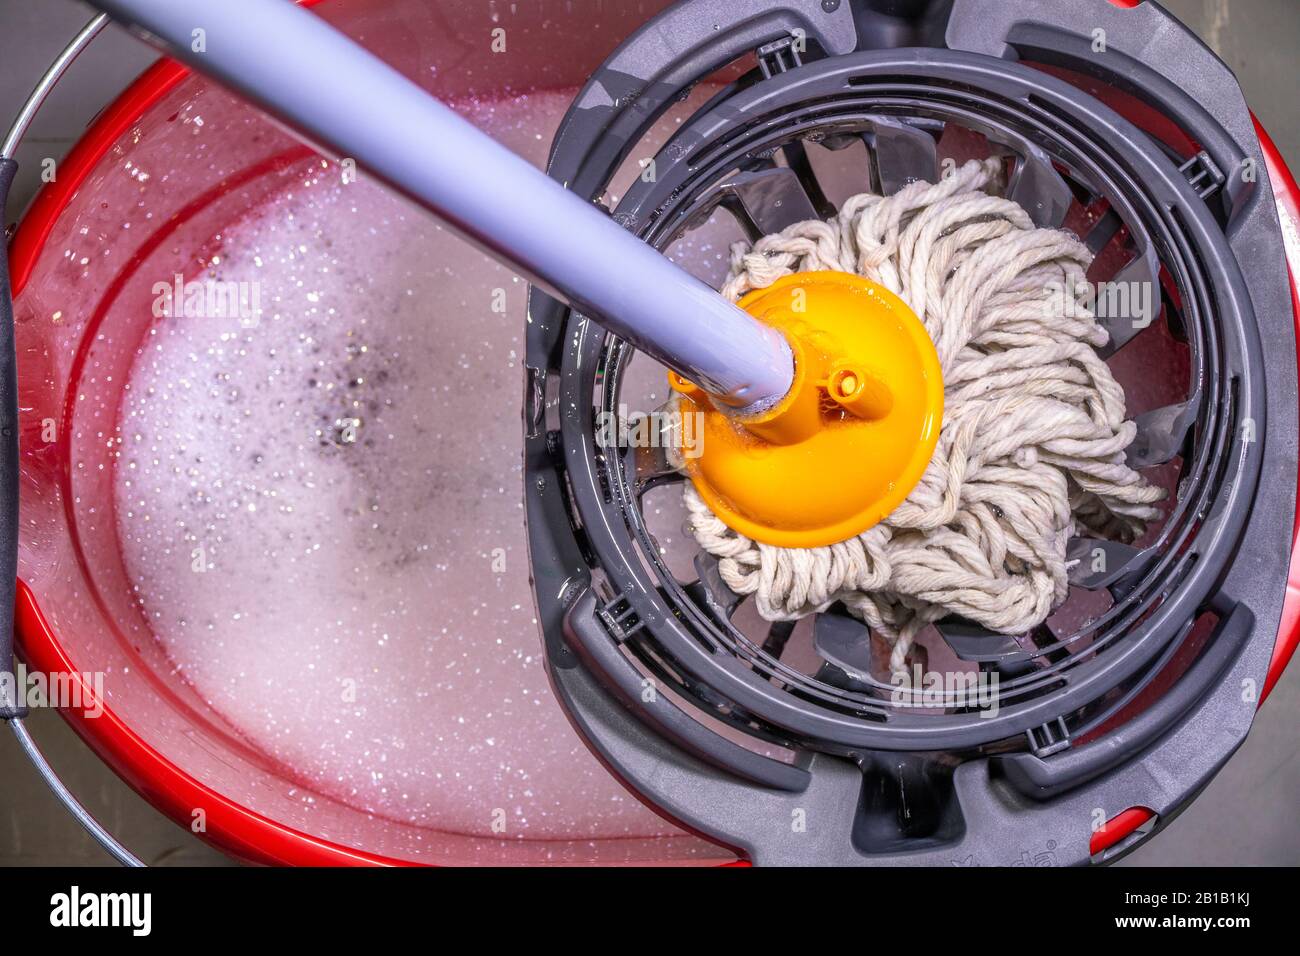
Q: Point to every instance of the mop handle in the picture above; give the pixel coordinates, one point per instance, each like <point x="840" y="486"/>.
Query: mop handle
<point x="310" y="75"/>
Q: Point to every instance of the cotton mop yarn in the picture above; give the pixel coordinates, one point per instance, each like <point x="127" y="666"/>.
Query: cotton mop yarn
<point x="1032" y="442"/>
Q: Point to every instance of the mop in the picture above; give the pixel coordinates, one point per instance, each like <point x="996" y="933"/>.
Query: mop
<point x="1031" y="447"/>
<point x="1033" y="431"/>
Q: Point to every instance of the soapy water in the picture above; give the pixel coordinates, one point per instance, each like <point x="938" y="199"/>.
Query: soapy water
<point x="320" y="510"/>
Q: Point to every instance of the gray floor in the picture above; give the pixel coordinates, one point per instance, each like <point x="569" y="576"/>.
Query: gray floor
<point x="1247" y="816"/>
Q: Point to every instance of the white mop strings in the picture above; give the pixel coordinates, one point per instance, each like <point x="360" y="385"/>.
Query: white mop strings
<point x="1033" y="435"/>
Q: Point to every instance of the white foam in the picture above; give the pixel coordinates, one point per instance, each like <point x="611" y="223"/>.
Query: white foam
<point x="365" y="616"/>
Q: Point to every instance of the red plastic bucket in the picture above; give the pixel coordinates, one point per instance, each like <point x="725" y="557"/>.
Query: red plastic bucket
<point x="77" y="613"/>
<point x="157" y="204"/>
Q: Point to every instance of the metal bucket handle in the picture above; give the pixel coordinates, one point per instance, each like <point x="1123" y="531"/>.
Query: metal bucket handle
<point x="13" y="709"/>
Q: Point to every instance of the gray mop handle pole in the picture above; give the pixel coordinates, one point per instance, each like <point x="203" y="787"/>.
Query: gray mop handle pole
<point x="310" y="75"/>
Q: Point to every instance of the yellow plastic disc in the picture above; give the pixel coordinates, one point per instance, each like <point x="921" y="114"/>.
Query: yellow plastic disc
<point x="852" y="437"/>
